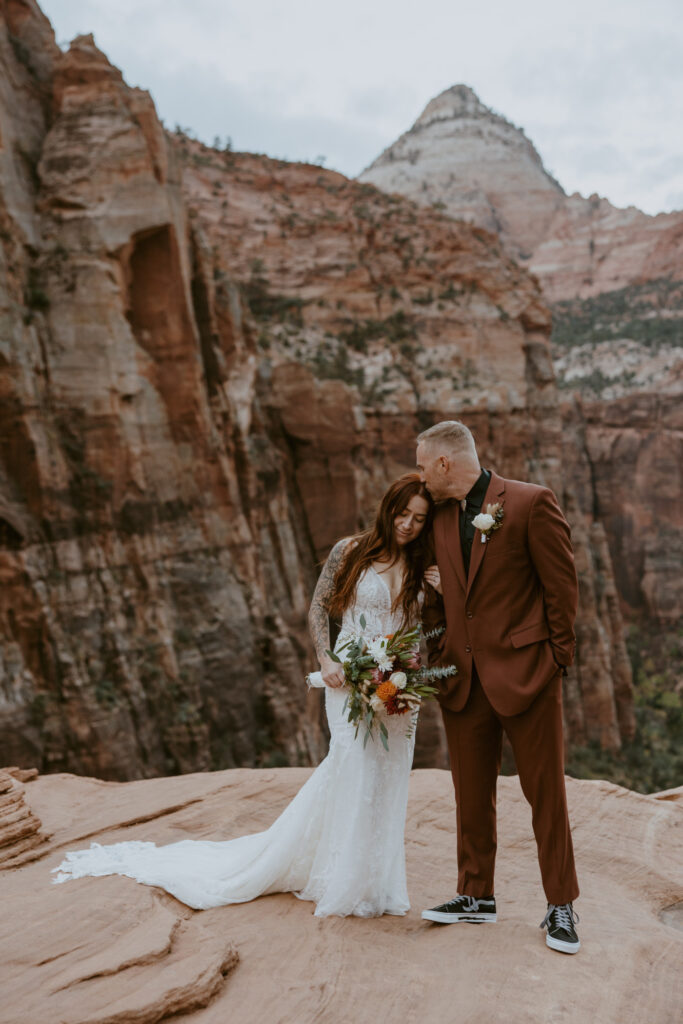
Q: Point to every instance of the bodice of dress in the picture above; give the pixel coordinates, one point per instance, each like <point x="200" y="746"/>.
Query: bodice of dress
<point x="373" y="601"/>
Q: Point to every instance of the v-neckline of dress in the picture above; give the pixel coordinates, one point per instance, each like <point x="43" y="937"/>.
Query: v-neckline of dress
<point x="386" y="585"/>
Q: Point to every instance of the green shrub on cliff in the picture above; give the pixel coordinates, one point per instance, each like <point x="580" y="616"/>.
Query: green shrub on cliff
<point x="650" y="313"/>
<point x="653" y="760"/>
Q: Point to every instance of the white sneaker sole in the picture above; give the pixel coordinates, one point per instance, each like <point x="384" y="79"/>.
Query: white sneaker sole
<point x="560" y="946"/>
<point x="442" y="918"/>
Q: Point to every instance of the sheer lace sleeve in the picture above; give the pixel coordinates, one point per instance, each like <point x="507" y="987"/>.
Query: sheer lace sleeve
<point x="318" y="616"/>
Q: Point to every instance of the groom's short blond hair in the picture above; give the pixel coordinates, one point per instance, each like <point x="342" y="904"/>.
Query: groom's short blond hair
<point x="451" y="434"/>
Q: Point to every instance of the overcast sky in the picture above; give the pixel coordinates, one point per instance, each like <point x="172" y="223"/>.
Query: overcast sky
<point x="596" y="85"/>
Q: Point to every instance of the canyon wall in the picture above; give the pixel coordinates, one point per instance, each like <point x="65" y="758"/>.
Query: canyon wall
<point x="154" y="576"/>
<point x="211" y="366"/>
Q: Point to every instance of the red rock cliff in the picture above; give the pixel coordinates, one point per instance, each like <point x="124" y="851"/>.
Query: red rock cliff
<point x="212" y="365"/>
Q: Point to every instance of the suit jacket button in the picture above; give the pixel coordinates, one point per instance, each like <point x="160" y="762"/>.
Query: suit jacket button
<point x="468" y="649"/>
<point x="469" y="615"/>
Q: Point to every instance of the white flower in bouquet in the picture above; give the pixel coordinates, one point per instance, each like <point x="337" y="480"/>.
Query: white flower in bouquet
<point x="377" y="704"/>
<point x="399" y="679"/>
<point x="377" y="649"/>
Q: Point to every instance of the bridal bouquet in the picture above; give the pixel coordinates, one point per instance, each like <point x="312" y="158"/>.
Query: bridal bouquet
<point x="385" y="676"/>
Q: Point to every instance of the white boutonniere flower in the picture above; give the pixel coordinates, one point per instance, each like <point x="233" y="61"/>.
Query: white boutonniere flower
<point x="489" y="521"/>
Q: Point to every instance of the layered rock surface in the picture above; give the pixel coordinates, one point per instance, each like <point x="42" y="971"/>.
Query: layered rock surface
<point x="107" y="949"/>
<point x="211" y="365"/>
<point x="21" y="836"/>
<point x="619" y="362"/>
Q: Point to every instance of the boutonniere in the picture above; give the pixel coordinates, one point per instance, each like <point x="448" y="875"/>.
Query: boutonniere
<point x="489" y="521"/>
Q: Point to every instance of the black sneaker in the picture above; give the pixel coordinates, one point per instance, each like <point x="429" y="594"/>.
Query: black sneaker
<point x="463" y="908"/>
<point x="560" y="921"/>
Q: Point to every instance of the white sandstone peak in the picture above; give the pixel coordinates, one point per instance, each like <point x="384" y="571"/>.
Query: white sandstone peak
<point x="453" y="103"/>
<point x="470" y="161"/>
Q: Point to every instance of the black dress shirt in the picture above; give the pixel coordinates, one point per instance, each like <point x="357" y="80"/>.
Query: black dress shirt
<point x="474" y="501"/>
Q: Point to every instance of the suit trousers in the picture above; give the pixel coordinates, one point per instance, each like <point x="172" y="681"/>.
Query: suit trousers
<point x="475" y="740"/>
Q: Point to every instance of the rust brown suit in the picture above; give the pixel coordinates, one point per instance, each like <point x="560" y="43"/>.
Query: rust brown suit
<point x="510" y="631"/>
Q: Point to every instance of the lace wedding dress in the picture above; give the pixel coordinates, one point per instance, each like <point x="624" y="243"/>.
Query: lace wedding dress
<point x="338" y="843"/>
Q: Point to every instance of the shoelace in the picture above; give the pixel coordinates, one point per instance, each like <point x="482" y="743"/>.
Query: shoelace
<point x="566" y="916"/>
<point x="470" y="906"/>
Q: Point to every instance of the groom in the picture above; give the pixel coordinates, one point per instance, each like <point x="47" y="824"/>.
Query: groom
<point x="506" y="592"/>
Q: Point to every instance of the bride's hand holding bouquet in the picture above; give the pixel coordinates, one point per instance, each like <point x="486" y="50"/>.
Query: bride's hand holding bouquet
<point x="332" y="671"/>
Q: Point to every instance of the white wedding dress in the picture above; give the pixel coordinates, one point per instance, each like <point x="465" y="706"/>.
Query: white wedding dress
<point x="339" y="843"/>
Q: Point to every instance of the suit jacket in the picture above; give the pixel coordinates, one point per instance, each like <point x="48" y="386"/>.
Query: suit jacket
<point x="514" y="614"/>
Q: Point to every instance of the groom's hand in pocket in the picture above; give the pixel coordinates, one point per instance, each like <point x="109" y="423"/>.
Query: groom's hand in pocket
<point x="559" y="664"/>
<point x="332" y="673"/>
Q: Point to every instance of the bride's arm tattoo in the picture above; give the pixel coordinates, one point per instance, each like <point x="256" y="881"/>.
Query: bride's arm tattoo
<point x="318" y="620"/>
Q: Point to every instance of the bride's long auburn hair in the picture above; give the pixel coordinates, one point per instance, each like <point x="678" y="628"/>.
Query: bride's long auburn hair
<point x="378" y="541"/>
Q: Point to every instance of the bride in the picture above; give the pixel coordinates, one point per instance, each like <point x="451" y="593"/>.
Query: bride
<point x="339" y="842"/>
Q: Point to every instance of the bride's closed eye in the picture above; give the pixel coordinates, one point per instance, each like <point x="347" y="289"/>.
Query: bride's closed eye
<point x="418" y="520"/>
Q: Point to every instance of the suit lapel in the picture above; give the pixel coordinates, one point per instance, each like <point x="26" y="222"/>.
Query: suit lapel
<point x="449" y="524"/>
<point x="496" y="488"/>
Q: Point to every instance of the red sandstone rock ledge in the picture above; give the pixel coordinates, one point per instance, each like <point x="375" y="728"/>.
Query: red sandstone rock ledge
<point x="108" y="950"/>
